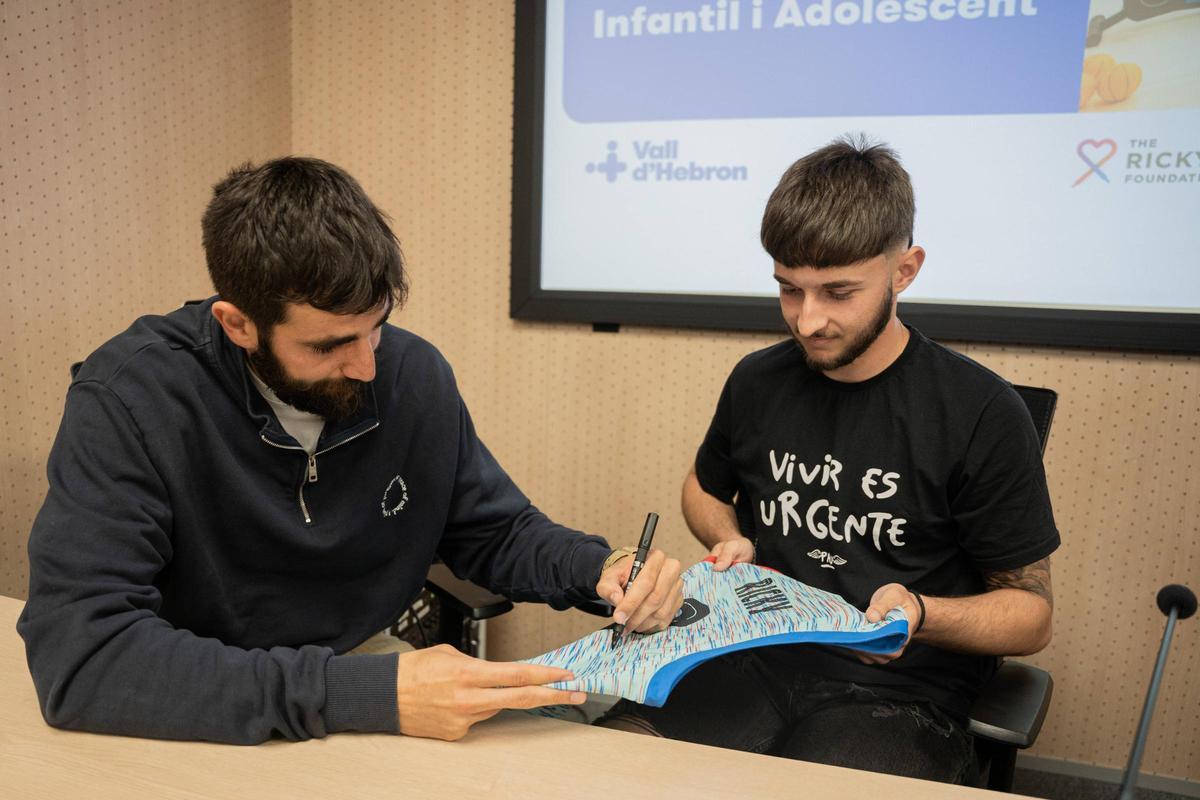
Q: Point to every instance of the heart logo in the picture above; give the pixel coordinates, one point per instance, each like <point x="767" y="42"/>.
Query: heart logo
<point x="1095" y="154"/>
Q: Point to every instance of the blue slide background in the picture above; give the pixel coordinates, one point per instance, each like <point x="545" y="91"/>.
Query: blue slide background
<point x="1002" y="65"/>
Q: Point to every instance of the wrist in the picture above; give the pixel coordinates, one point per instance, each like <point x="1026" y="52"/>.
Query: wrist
<point x="616" y="555"/>
<point x="920" y="601"/>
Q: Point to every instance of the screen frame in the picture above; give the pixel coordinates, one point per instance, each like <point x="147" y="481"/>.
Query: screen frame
<point x="1172" y="332"/>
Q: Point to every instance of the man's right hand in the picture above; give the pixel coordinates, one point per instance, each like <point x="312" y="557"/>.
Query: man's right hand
<point x="441" y="693"/>
<point x="732" y="551"/>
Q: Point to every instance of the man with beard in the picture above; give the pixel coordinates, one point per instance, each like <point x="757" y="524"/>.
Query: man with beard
<point x="245" y="490"/>
<point x="862" y="458"/>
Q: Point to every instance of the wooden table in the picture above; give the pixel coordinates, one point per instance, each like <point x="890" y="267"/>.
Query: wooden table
<point x="514" y="755"/>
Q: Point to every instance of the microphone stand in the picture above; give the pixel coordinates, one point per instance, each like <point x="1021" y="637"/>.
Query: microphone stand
<point x="1177" y="602"/>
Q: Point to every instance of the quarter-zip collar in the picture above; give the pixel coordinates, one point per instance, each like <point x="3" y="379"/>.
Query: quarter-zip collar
<point x="334" y="434"/>
<point x="229" y="361"/>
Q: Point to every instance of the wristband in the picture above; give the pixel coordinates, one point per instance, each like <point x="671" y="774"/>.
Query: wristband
<point x="920" y="619"/>
<point x="617" y="555"/>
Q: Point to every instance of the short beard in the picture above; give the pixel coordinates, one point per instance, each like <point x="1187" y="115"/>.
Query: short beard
<point x="857" y="346"/>
<point x="332" y="398"/>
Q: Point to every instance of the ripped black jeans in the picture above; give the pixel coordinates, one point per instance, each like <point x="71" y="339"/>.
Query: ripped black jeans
<point x="744" y="702"/>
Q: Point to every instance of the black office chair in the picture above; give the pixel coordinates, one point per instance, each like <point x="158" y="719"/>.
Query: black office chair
<point x="1006" y="717"/>
<point x="1009" y="712"/>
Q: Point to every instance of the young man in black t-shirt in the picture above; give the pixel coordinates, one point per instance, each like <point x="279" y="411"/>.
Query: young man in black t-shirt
<point x="864" y="459"/>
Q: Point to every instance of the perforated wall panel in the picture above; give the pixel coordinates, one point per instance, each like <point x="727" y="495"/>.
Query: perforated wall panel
<point x="116" y="118"/>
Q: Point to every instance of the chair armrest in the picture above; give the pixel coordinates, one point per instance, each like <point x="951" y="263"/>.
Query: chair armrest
<point x="466" y="598"/>
<point x="1012" y="705"/>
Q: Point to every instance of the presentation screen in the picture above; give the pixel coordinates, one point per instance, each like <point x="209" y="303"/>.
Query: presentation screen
<point x="1054" y="149"/>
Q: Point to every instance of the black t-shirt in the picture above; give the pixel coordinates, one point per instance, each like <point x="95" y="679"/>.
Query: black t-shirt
<point x="928" y="475"/>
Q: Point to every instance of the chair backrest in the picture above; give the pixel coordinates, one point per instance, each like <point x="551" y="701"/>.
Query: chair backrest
<point x="1012" y="706"/>
<point x="1041" y="403"/>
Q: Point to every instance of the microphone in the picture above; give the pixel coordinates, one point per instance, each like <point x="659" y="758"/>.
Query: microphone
<point x="1177" y="602"/>
<point x="1178" y="597"/>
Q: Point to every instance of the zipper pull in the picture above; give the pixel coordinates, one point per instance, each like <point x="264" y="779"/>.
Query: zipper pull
<point x="312" y="469"/>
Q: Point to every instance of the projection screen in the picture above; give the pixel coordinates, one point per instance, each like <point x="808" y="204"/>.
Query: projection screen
<point x="1054" y="147"/>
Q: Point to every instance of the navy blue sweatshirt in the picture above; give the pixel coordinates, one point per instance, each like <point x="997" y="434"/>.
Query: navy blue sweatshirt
<point x="194" y="576"/>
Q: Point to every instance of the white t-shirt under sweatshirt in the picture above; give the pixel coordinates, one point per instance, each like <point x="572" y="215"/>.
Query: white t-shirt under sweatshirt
<point x="302" y="426"/>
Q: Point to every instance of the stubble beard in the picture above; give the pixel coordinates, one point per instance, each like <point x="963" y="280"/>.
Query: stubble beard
<point x="857" y="346"/>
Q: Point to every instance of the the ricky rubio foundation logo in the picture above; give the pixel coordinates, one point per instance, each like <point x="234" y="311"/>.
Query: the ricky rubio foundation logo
<point x="1144" y="160"/>
<point x="658" y="161"/>
<point x="1095" y="154"/>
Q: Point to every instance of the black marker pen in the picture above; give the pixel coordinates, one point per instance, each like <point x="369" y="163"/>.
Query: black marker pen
<point x="639" y="560"/>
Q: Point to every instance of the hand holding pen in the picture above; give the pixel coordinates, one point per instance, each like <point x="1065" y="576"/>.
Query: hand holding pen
<point x="646" y="589"/>
<point x="639" y="560"/>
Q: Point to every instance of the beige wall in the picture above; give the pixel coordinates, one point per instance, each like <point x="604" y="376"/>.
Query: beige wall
<point x="116" y="118"/>
<point x="416" y="100"/>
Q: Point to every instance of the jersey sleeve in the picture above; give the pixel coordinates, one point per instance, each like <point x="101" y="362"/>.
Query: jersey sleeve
<point x="1000" y="499"/>
<point x="495" y="537"/>
<point x="715" y="469"/>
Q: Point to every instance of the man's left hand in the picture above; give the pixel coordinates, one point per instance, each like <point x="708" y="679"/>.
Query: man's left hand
<point x="893" y="595"/>
<point x="651" y="602"/>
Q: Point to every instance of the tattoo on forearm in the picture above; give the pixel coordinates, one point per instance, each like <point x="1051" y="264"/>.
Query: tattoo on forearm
<point x="1032" y="578"/>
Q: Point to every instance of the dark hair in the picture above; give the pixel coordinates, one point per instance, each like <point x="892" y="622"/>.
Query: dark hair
<point x="299" y="230"/>
<point x="847" y="202"/>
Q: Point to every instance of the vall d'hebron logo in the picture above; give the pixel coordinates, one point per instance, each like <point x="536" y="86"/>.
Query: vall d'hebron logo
<point x="659" y="161"/>
<point x="1144" y="162"/>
